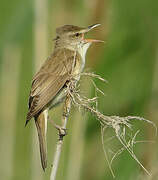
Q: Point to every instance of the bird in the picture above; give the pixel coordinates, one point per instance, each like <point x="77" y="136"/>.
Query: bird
<point x="48" y="86"/>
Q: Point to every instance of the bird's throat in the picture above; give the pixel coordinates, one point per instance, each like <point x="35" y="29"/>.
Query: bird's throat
<point x="82" y="51"/>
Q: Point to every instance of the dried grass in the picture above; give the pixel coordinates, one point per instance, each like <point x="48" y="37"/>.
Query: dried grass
<point x="119" y="125"/>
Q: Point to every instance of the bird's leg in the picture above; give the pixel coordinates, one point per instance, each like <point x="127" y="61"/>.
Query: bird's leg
<point x="62" y="131"/>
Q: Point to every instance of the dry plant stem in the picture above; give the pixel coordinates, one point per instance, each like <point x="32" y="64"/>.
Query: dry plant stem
<point x="65" y="116"/>
<point x="118" y="124"/>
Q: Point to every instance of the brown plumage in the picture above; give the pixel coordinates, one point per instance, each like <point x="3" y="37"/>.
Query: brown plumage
<point x="49" y="80"/>
<point x="46" y="84"/>
<point x="49" y="83"/>
<point x="40" y="121"/>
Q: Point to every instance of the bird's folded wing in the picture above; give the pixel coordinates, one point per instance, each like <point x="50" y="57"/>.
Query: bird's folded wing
<point x="50" y="79"/>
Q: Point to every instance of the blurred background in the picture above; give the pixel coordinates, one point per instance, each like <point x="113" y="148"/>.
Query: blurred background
<point x="128" y="60"/>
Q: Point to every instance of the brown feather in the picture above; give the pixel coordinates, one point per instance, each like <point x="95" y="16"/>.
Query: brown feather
<point x="40" y="122"/>
<point x="48" y="84"/>
<point x="50" y="79"/>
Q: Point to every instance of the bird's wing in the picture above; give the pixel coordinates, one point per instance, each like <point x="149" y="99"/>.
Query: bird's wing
<point x="50" y="79"/>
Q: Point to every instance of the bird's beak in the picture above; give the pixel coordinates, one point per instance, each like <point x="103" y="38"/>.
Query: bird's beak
<point x="85" y="30"/>
<point x="92" y="40"/>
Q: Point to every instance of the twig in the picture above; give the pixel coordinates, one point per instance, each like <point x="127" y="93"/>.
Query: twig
<point x="65" y="116"/>
<point x="118" y="124"/>
<point x="105" y="153"/>
<point x="94" y="76"/>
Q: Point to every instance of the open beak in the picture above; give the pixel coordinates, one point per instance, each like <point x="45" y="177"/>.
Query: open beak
<point x="87" y="30"/>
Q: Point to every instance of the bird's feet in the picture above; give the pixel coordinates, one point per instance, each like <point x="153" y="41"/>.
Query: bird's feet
<point x="62" y="131"/>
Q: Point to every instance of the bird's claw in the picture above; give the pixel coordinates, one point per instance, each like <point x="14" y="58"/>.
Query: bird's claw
<point x="62" y="131"/>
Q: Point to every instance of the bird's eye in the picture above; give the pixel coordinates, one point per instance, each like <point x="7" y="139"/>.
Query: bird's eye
<point x="77" y="34"/>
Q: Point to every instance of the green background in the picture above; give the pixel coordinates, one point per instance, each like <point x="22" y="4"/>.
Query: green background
<point x="128" y="60"/>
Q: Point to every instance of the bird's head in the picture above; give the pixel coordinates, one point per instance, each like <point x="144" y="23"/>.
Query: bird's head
<point x="73" y="37"/>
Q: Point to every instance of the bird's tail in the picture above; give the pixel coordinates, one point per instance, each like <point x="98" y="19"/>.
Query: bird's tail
<point x="41" y="124"/>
